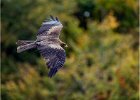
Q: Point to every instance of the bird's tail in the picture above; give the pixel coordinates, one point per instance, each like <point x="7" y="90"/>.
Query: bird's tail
<point x="24" y="45"/>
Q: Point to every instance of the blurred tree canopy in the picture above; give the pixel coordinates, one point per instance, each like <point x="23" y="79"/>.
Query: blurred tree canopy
<point x="102" y="58"/>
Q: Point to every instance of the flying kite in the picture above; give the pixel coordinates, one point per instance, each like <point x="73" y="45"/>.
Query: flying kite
<point x="48" y="44"/>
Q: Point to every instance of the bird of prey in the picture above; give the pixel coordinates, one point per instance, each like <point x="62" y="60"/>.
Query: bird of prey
<point x="48" y="44"/>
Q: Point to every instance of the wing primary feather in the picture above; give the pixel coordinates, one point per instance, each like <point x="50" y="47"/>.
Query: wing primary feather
<point x="51" y="25"/>
<point x="52" y="72"/>
<point x="52" y="17"/>
<point x="56" y="18"/>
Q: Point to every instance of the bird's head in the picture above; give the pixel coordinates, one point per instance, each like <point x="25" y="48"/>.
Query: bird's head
<point x="64" y="45"/>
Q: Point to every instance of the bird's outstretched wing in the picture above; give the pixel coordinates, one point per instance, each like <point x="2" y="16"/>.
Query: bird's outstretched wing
<point x="54" y="55"/>
<point x="51" y="27"/>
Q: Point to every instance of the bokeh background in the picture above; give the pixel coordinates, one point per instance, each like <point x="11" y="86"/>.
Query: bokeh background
<point x="102" y="58"/>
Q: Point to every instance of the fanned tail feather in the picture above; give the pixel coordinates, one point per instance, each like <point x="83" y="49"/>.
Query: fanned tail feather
<point x="24" y="45"/>
<point x="23" y="42"/>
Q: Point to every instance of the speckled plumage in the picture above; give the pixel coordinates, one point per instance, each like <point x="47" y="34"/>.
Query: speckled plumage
<point x="49" y="45"/>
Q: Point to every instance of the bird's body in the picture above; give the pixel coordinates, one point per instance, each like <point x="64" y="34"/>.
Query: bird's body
<point x="48" y="44"/>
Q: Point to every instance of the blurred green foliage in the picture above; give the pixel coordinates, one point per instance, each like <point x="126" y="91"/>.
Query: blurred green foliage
<point x="102" y="58"/>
